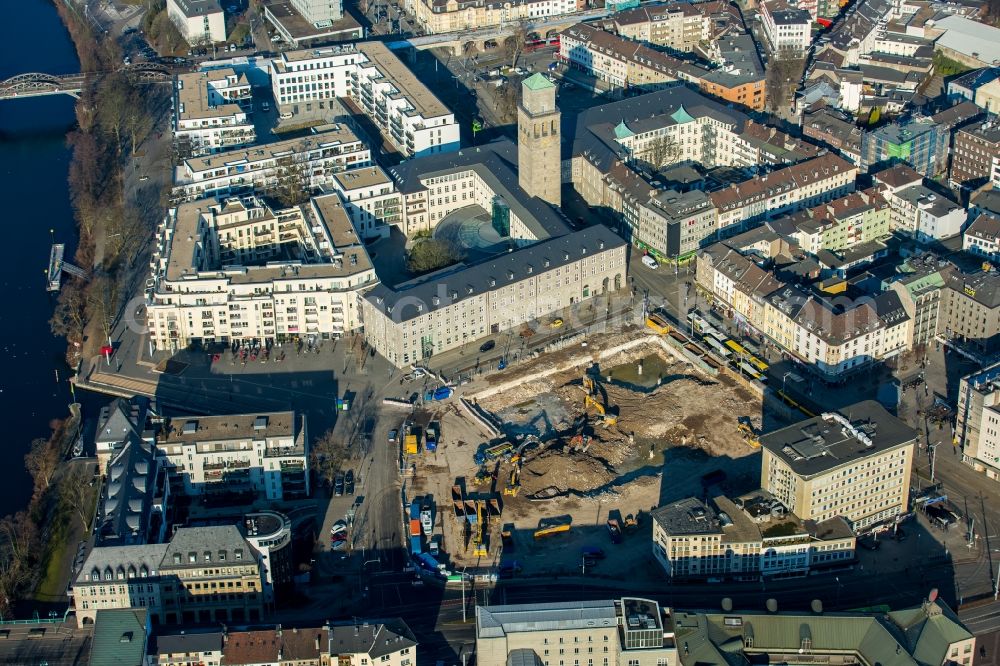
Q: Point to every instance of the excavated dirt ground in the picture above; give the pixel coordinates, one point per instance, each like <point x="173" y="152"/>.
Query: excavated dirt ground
<point x="665" y="441"/>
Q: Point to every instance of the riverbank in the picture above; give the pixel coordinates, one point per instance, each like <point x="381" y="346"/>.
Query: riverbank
<point x="37" y="545"/>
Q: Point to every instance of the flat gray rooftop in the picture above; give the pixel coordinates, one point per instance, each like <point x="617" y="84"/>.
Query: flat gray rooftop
<point x="834" y="439"/>
<point x="496" y="621"/>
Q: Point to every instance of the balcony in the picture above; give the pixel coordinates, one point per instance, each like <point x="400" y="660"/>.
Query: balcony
<point x="229" y="464"/>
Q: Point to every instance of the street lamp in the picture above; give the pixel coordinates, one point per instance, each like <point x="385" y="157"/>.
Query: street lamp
<point x="783" y="378"/>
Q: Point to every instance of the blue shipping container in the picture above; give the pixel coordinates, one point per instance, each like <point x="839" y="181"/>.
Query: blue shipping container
<point x="415" y="546"/>
<point x="415" y="510"/>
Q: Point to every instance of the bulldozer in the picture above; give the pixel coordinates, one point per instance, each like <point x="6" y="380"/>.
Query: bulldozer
<point x="592" y="391"/>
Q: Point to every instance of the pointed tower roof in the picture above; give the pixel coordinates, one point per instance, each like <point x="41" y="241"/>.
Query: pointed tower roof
<point x="538" y="82"/>
<point x="681" y="115"/>
<point x="622" y="131"/>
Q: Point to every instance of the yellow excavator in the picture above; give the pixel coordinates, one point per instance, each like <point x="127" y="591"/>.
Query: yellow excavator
<point x="590" y="399"/>
<point x="745" y="427"/>
<point x="513" y="486"/>
<point x="479" y="535"/>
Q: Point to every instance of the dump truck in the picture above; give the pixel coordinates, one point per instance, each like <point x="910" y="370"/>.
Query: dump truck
<point x="494" y="452"/>
<point x="410" y="442"/>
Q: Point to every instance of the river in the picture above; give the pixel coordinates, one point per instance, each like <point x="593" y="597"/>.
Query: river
<point x="34" y="162"/>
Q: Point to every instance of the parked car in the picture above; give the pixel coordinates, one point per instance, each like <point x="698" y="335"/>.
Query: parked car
<point x="338" y="545"/>
<point x="338" y="484"/>
<point x="338" y="527"/>
<point x="392" y="435"/>
<point x="286" y="115"/>
<point x="650" y="262"/>
<point x="488" y="345"/>
<point x="349" y="482"/>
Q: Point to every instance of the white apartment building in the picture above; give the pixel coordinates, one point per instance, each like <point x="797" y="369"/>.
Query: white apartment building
<point x="803" y="185"/>
<point x="745" y="539"/>
<point x="787" y="28"/>
<point x="407" y="113"/>
<point x="313" y="160"/>
<point x="237" y="271"/>
<point x="313" y="75"/>
<point x="411" y="324"/>
<point x="319" y="12"/>
<point x="854" y="463"/>
<point x="371" y="200"/>
<point x="983" y="237"/>
<point x="210" y="111"/>
<point x="620" y="632"/>
<point x="924" y="214"/>
<point x="200" y="22"/>
<point x="264" y="454"/>
<point x="977" y="422"/>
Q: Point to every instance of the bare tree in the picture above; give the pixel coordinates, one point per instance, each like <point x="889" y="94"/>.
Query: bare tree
<point x="783" y="74"/>
<point x="69" y="316"/>
<point x="328" y="454"/>
<point x="41" y="462"/>
<point x="661" y="150"/>
<point x="506" y="100"/>
<point x="290" y="185"/>
<point x="76" y="492"/>
<point x="516" y="42"/>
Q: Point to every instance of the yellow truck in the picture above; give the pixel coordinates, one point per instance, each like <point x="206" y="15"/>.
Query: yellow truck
<point x="410" y="443"/>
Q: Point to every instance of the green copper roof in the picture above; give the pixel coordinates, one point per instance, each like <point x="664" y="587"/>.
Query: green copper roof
<point x="622" y="131"/>
<point x="681" y="115"/>
<point x="538" y="82"/>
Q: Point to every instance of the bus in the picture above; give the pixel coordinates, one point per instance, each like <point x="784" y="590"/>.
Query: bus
<point x="697" y="323"/>
<point x="537" y="44"/>
<point x="715" y="334"/>
<point x="717" y="347"/>
<point x="748" y="370"/>
<point x="737" y="348"/>
<point x="759" y="364"/>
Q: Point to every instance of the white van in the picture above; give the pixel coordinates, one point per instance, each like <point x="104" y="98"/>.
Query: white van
<point x="649" y="261"/>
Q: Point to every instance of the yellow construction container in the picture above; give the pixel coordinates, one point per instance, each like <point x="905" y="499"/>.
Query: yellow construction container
<point x="410" y="444"/>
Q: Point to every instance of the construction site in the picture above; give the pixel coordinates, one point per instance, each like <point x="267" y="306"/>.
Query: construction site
<point x="548" y="467"/>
